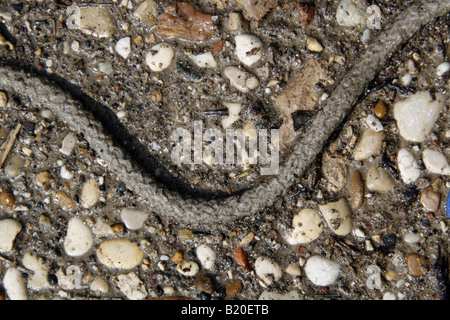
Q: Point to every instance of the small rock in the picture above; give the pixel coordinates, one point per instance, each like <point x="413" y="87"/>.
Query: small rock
<point x="374" y="277"/>
<point x="306" y="13"/>
<point x="357" y="190"/>
<point x="63" y="201"/>
<point x="160" y="57"/>
<point x="435" y="162"/>
<point x="248" y="238"/>
<point x="313" y="45"/>
<point x="3" y="99"/>
<point x="42" y="178"/>
<point x="256" y="9"/>
<point x="177" y="256"/>
<point x="379" y="180"/>
<point x="369" y="144"/>
<point x="14" y="166"/>
<point x="240" y="79"/>
<point x="204" y="283"/>
<point x="7" y="200"/>
<point x="248" y="49"/>
<point x="417" y="114"/>
<point x="267" y="270"/>
<point x="321" y="271"/>
<point x="65" y="173"/>
<point x="14" y="285"/>
<point x="389" y="296"/>
<point x="131" y="286"/>
<point x="294" y="269"/>
<point x="334" y="170"/>
<point x="123" y="47"/>
<point x="442" y="69"/>
<point x="96" y="21"/>
<point x="233" y="114"/>
<point x="119" y="254"/>
<point x="133" y="218"/>
<point x="185" y="234"/>
<point x="351" y="13"/>
<point x="204" y="60"/>
<point x="373" y="123"/>
<point x="338" y="216"/>
<point x="236" y="22"/>
<point x="147" y="12"/>
<point x="106" y="68"/>
<point x="416" y="264"/>
<point x="38" y="280"/>
<point x="79" y="238"/>
<point x="9" y="228"/>
<point x="68" y="144"/>
<point x="380" y="109"/>
<point x="206" y="255"/>
<point x="241" y="257"/>
<point x="233" y="287"/>
<point x="307" y="226"/>
<point x="99" y="285"/>
<point x="89" y="193"/>
<point x="430" y="200"/>
<point x="408" y="166"/>
<point x="188" y="268"/>
<point x="411" y="237"/>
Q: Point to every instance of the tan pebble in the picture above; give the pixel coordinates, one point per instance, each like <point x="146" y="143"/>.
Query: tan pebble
<point x="416" y="264"/>
<point x="89" y="194"/>
<point x="380" y="109"/>
<point x="313" y="45"/>
<point x="357" y="190"/>
<point x="42" y="178"/>
<point x="430" y="200"/>
<point x="294" y="269"/>
<point x="390" y="275"/>
<point x="369" y="144"/>
<point x="379" y="180"/>
<point x="204" y="283"/>
<point x="63" y="200"/>
<point x="178" y="256"/>
<point x="7" y="199"/>
<point x="119" y="254"/>
<point x="248" y="238"/>
<point x="241" y="257"/>
<point x="3" y="99"/>
<point x="185" y="234"/>
<point x="233" y="287"/>
<point x="338" y="216"/>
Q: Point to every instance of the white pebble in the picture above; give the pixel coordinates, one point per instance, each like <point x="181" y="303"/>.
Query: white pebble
<point x="131" y="286"/>
<point x="389" y="296"/>
<point x="14" y="166"/>
<point x="204" y="60"/>
<point x="123" y="47"/>
<point x="105" y="68"/>
<point x="435" y="162"/>
<point x="374" y="123"/>
<point x="411" y="237"/>
<point x="321" y="271"/>
<point x="66" y="173"/>
<point x="99" y="285"/>
<point x="38" y="280"/>
<point x="240" y="79"/>
<point x="68" y="143"/>
<point x="9" y="228"/>
<point x="79" y="238"/>
<point x="160" y="57"/>
<point x="188" y="268"/>
<point x="133" y="218"/>
<point x="417" y="114"/>
<point x="96" y="21"/>
<point x="368" y="145"/>
<point x="119" y="254"/>
<point x="313" y="45"/>
<point x="307" y="226"/>
<point x="248" y="48"/>
<point x="407" y="164"/>
<point x="294" y="269"/>
<point x="267" y="270"/>
<point x="89" y="193"/>
<point x="14" y="285"/>
<point x="351" y="13"/>
<point x="338" y="216"/>
<point x="233" y="114"/>
<point x="206" y="255"/>
<point x="374" y="277"/>
<point x="443" y="68"/>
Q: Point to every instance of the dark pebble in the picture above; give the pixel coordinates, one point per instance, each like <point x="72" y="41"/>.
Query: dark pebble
<point x="388" y="240"/>
<point x="204" y="295"/>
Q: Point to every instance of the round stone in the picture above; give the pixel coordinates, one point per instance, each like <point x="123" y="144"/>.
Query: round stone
<point x="79" y="238"/>
<point x="119" y="254"/>
<point x="267" y="270"/>
<point x="9" y="228"/>
<point x="160" y="57"/>
<point x="338" y="216"/>
<point x="206" y="255"/>
<point x="321" y="271"/>
<point x="188" y="268"/>
<point x="307" y="226"/>
<point x="416" y="264"/>
<point x="248" y="49"/>
<point x="89" y="193"/>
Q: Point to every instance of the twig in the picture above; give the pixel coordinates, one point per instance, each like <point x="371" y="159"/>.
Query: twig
<point x="8" y="144"/>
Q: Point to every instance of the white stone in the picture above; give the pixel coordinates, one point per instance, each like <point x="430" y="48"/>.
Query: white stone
<point x="160" y="57"/>
<point x="338" y="216"/>
<point x="206" y="255"/>
<point x="66" y="173"/>
<point x="313" y="45"/>
<point x="119" y="254"/>
<point x="411" y="237"/>
<point x="294" y="269"/>
<point x="321" y="271"/>
<point x="435" y="162"/>
<point x="374" y="277"/>
<point x="106" y="68"/>
<point x="123" y="47"/>
<point x="417" y="114"/>
<point x="89" y="193"/>
<point x="240" y="79"/>
<point x="68" y="143"/>
<point x="14" y="285"/>
<point x="133" y="218"/>
<point x="96" y="21"/>
<point x="79" y="238"/>
<point x="9" y="228"/>
<point x="38" y="280"/>
<point x="188" y="268"/>
<point x="407" y="164"/>
<point x="131" y="286"/>
<point x="204" y="60"/>
<point x="374" y="123"/>
<point x="368" y="145"/>
<point x="307" y="226"/>
<point x="389" y="296"/>
<point x="99" y="285"/>
<point x="233" y="114"/>
<point x="147" y="12"/>
<point x="351" y="13"/>
<point x="248" y="49"/>
<point x="442" y="69"/>
<point x="267" y="270"/>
